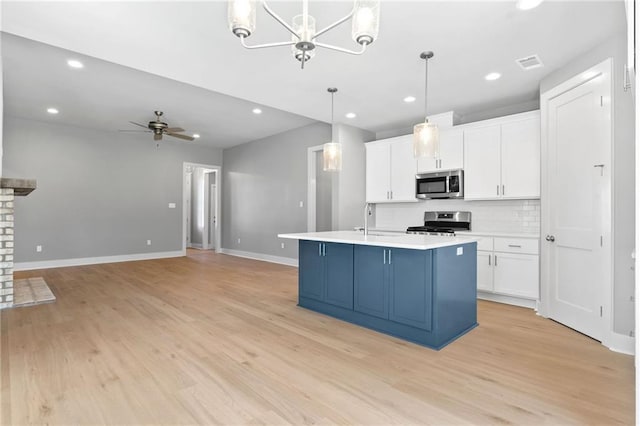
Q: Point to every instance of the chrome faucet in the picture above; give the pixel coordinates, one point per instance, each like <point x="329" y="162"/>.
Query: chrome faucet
<point x="367" y="212"/>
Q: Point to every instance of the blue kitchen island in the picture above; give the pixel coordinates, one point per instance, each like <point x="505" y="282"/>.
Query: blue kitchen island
<point x="417" y="287"/>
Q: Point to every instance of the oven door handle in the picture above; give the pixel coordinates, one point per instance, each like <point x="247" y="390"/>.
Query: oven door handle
<point x="446" y="185"/>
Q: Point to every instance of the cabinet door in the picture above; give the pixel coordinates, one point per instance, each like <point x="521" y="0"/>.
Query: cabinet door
<point x="311" y="270"/>
<point x="482" y="163"/>
<point x="378" y="178"/>
<point x="485" y="270"/>
<point x="521" y="159"/>
<point x="451" y="149"/>
<point x="370" y="284"/>
<point x="339" y="274"/>
<point x="410" y="287"/>
<point x="403" y="170"/>
<point x="516" y="275"/>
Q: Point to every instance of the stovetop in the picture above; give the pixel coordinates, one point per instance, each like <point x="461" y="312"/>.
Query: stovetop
<point x="443" y="223"/>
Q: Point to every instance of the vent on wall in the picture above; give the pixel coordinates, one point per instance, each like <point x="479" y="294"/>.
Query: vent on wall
<point x="529" y="62"/>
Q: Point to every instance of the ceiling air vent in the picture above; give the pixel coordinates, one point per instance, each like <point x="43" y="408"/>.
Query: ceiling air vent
<point x="529" y="62"/>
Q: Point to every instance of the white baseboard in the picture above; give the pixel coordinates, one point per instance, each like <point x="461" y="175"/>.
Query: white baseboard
<point x="195" y="246"/>
<point x="259" y="256"/>
<point x="60" y="263"/>
<point x="621" y="343"/>
<point x="510" y="300"/>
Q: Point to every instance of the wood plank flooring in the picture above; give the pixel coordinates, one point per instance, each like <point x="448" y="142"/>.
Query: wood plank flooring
<point x="214" y="339"/>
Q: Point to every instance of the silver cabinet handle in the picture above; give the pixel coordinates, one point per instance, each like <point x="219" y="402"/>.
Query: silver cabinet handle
<point x="489" y="260"/>
<point x="497" y="189"/>
<point x="319" y="249"/>
<point x="384" y="256"/>
<point x="550" y="238"/>
<point x="324" y="249"/>
<point x="389" y="256"/>
<point x="502" y="189"/>
<point x="387" y="195"/>
<point x="495" y="262"/>
<point x="515" y="246"/>
<point x="391" y="198"/>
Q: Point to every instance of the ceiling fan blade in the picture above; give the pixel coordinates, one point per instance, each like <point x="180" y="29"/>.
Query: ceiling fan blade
<point x="134" y="131"/>
<point x="185" y="137"/>
<point x="138" y="124"/>
<point x="157" y="137"/>
<point x="174" y="130"/>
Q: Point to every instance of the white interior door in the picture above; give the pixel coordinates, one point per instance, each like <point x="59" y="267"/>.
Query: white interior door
<point x="188" y="212"/>
<point x="577" y="194"/>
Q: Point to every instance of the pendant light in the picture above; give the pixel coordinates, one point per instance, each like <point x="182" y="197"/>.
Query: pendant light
<point x="426" y="140"/>
<point x="332" y="151"/>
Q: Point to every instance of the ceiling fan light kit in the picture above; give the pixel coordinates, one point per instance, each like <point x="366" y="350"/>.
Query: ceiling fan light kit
<point x="426" y="138"/>
<point x="365" y="23"/>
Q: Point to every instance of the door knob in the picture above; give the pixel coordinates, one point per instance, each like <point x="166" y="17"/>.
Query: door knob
<point x="550" y="238"/>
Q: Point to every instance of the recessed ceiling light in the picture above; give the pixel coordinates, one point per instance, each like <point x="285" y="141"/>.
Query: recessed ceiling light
<point x="257" y="111"/>
<point x="195" y="135"/>
<point x="351" y="115"/>
<point x="492" y="76"/>
<point x="52" y="111"/>
<point x="409" y="99"/>
<point x="527" y="4"/>
<point x="73" y="63"/>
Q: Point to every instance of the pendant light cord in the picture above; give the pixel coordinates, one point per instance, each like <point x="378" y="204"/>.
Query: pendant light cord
<point x="426" y="56"/>
<point x="332" y="90"/>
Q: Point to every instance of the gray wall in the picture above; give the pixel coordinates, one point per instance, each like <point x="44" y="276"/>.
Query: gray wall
<point x="263" y="184"/>
<point x="324" y="182"/>
<point x="624" y="171"/>
<point x="99" y="193"/>
<point x="349" y="184"/>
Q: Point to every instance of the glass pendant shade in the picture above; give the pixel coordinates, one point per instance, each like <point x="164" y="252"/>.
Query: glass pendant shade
<point x="332" y="157"/>
<point x="366" y="21"/>
<point x="426" y="140"/>
<point x="242" y="17"/>
<point x="306" y="34"/>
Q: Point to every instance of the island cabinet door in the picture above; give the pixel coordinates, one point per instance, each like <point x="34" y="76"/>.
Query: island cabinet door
<point x="410" y="285"/>
<point x="339" y="274"/>
<point x="370" y="281"/>
<point x="311" y="270"/>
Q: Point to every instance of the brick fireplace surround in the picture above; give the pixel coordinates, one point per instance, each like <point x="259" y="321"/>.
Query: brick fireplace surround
<point x="9" y="189"/>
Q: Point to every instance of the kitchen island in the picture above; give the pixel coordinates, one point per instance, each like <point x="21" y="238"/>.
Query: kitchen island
<point x="417" y="287"/>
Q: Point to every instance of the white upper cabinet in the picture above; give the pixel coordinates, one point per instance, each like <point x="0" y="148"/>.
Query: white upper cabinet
<point x="451" y="153"/>
<point x="391" y="170"/>
<point x="502" y="158"/>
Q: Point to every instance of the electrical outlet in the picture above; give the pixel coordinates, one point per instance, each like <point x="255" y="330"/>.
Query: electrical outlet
<point x="238" y="240"/>
<point x="38" y="248"/>
<point x="459" y="251"/>
<point x="172" y="205"/>
<point x="281" y="245"/>
<point x="148" y="242"/>
<point x="301" y="203"/>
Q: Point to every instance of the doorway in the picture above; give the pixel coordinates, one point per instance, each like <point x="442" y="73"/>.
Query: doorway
<point x="201" y="206"/>
<point x="576" y="203"/>
<point x="319" y="192"/>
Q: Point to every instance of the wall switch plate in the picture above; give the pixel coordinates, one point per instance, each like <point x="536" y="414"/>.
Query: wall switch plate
<point x="281" y="245"/>
<point x="38" y="248"/>
<point x="301" y="203"/>
<point x="459" y="251"/>
<point x="238" y="240"/>
<point x="172" y="205"/>
<point x="148" y="242"/>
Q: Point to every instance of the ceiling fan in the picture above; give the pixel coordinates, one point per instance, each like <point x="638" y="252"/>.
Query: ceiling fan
<point x="159" y="128"/>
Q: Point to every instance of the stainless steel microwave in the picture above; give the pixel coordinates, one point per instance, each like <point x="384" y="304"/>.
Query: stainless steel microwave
<point x="444" y="184"/>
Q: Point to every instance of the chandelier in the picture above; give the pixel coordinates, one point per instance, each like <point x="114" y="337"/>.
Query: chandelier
<point x="365" y="17"/>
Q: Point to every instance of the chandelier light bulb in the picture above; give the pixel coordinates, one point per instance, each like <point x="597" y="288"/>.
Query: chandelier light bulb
<point x="242" y="17"/>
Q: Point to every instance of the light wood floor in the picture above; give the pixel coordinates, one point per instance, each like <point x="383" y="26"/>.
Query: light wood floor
<point x="214" y="339"/>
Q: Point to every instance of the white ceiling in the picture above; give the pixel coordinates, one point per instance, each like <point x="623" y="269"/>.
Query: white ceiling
<point x="190" y="42"/>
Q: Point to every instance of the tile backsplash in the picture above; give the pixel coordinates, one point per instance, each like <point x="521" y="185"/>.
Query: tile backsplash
<point x="515" y="216"/>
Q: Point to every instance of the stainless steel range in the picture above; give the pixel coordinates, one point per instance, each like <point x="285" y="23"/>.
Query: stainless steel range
<point x="443" y="223"/>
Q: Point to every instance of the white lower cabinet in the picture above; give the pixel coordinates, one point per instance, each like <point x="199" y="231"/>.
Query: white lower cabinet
<point x="508" y="267"/>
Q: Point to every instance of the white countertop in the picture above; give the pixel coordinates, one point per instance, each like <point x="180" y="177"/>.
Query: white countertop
<point x="408" y="241"/>
<point x="497" y="234"/>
